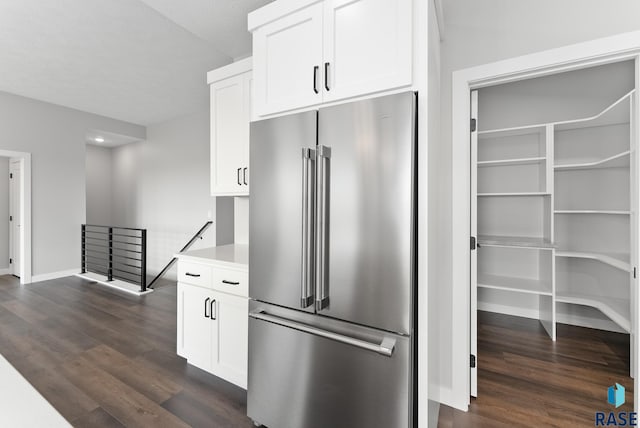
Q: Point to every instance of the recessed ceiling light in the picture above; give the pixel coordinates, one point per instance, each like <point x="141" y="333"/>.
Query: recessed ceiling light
<point x="99" y="140"/>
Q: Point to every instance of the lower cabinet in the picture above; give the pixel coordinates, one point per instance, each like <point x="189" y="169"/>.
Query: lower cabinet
<point x="213" y="330"/>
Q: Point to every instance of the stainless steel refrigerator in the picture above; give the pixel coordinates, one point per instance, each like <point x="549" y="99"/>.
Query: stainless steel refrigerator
<point x="332" y="266"/>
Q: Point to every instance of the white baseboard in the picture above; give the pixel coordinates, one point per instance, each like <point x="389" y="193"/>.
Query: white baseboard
<point x="589" y="322"/>
<point x="562" y="318"/>
<point x="5" y="271"/>
<point x="509" y="310"/>
<point x="54" y="275"/>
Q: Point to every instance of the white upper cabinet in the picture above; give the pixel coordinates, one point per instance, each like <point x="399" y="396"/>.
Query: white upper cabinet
<point x="289" y="54"/>
<point x="367" y="47"/>
<point x="230" y="89"/>
<point x="308" y="52"/>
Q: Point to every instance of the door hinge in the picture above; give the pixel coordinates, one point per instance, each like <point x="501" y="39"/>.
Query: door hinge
<point x="10" y="218"/>
<point x="473" y="361"/>
<point x="11" y="175"/>
<point x="10" y="261"/>
<point x="473" y="242"/>
<point x="634" y="272"/>
<point x="473" y="125"/>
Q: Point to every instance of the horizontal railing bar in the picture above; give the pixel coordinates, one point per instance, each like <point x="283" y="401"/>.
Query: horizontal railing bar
<point x="126" y="258"/>
<point x="126" y="271"/>
<point x="128" y="236"/>
<point x="101" y="260"/>
<point x="127" y="251"/>
<point x="97" y="233"/>
<point x="113" y="227"/>
<point x="126" y="264"/>
<point x="127" y="243"/>
<point x="95" y="251"/>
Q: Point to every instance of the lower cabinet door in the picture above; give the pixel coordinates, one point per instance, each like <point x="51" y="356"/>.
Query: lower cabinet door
<point x="232" y="318"/>
<point x="196" y="332"/>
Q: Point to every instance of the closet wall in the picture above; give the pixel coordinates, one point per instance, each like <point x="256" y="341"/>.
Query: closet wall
<point x="569" y="195"/>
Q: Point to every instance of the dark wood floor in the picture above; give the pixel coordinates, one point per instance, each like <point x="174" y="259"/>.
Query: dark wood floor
<point x="525" y="379"/>
<point x="106" y="359"/>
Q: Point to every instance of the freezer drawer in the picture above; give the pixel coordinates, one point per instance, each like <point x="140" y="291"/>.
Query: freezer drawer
<point x="300" y="379"/>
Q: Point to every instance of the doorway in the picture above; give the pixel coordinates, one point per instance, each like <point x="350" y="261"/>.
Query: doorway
<point x="577" y="57"/>
<point x="15" y="216"/>
<point x="553" y="209"/>
<point x="19" y="214"/>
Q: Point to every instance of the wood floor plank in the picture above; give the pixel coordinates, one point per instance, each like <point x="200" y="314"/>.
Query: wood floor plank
<point x="107" y="359"/>
<point x="118" y="399"/>
<point x="526" y="379"/>
<point x="98" y="418"/>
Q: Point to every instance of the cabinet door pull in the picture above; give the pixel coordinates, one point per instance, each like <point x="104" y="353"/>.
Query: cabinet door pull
<point x="213" y="304"/>
<point x="195" y="275"/>
<point x="206" y="305"/>
<point x="224" y="281"/>
<point x="315" y="79"/>
<point x="239" y="183"/>
<point x="244" y="175"/>
<point x="326" y="76"/>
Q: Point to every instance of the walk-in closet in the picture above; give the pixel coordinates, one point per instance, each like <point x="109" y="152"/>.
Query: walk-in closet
<point x="553" y="202"/>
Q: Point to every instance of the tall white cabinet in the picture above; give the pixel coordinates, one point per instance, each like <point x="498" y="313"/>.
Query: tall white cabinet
<point x="556" y="213"/>
<point x="230" y="89"/>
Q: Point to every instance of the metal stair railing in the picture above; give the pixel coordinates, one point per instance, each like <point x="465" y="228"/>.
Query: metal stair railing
<point x="197" y="236"/>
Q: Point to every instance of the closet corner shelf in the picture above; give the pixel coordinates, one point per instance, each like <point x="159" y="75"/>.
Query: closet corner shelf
<point x="515" y="242"/>
<point x="620" y="160"/>
<point x="507" y="162"/>
<point x="615" y="260"/>
<point x="617" y="309"/>
<point x="515" y="194"/>
<point x="617" y="113"/>
<point x="609" y="212"/>
<point x="519" y="285"/>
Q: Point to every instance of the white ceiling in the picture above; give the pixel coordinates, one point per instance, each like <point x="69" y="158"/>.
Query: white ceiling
<point x="142" y="61"/>
<point x="100" y="138"/>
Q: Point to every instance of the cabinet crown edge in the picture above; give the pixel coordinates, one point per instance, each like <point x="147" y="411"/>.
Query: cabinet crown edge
<point x="230" y="70"/>
<point x="275" y="10"/>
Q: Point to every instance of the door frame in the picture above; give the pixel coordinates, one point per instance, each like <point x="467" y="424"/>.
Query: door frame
<point x="25" y="204"/>
<point x="573" y="57"/>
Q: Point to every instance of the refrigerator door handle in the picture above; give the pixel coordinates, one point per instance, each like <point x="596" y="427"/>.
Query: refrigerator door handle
<point x="323" y="155"/>
<point x="306" y="292"/>
<point x="385" y="347"/>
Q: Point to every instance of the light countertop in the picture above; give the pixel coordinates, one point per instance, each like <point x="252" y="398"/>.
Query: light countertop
<point x="234" y="255"/>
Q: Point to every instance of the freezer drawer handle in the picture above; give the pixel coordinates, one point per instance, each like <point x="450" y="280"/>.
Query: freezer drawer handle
<point x="195" y="275"/>
<point x="385" y="347"/>
<point x="224" y="281"/>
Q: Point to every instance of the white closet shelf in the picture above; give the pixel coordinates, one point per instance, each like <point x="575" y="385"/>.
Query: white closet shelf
<point x="511" y="132"/>
<point x="617" y="309"/>
<point x="609" y="212"/>
<point x="521" y="161"/>
<point x="519" y="285"/>
<point x="616" y="113"/>
<point x="620" y="160"/>
<point x="619" y="261"/>
<point x="515" y="194"/>
<point x="515" y="241"/>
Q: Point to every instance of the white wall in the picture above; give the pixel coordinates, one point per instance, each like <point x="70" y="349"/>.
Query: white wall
<point x="55" y="137"/>
<point x="99" y="192"/>
<point x="482" y="32"/>
<point x="4" y="213"/>
<point x="162" y="185"/>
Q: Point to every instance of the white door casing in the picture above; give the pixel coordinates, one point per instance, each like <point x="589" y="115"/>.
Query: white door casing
<point x="473" y="259"/>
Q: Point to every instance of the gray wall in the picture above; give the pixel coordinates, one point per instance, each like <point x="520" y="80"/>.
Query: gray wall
<point x="55" y="137"/>
<point x="4" y="213"/>
<point x="99" y="194"/>
<point x="162" y="184"/>
<point x="480" y="32"/>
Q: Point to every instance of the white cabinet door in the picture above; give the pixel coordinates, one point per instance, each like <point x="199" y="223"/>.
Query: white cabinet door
<point x="367" y="46"/>
<point x="233" y="330"/>
<point x="230" y="116"/>
<point x="287" y="60"/>
<point x="196" y="332"/>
